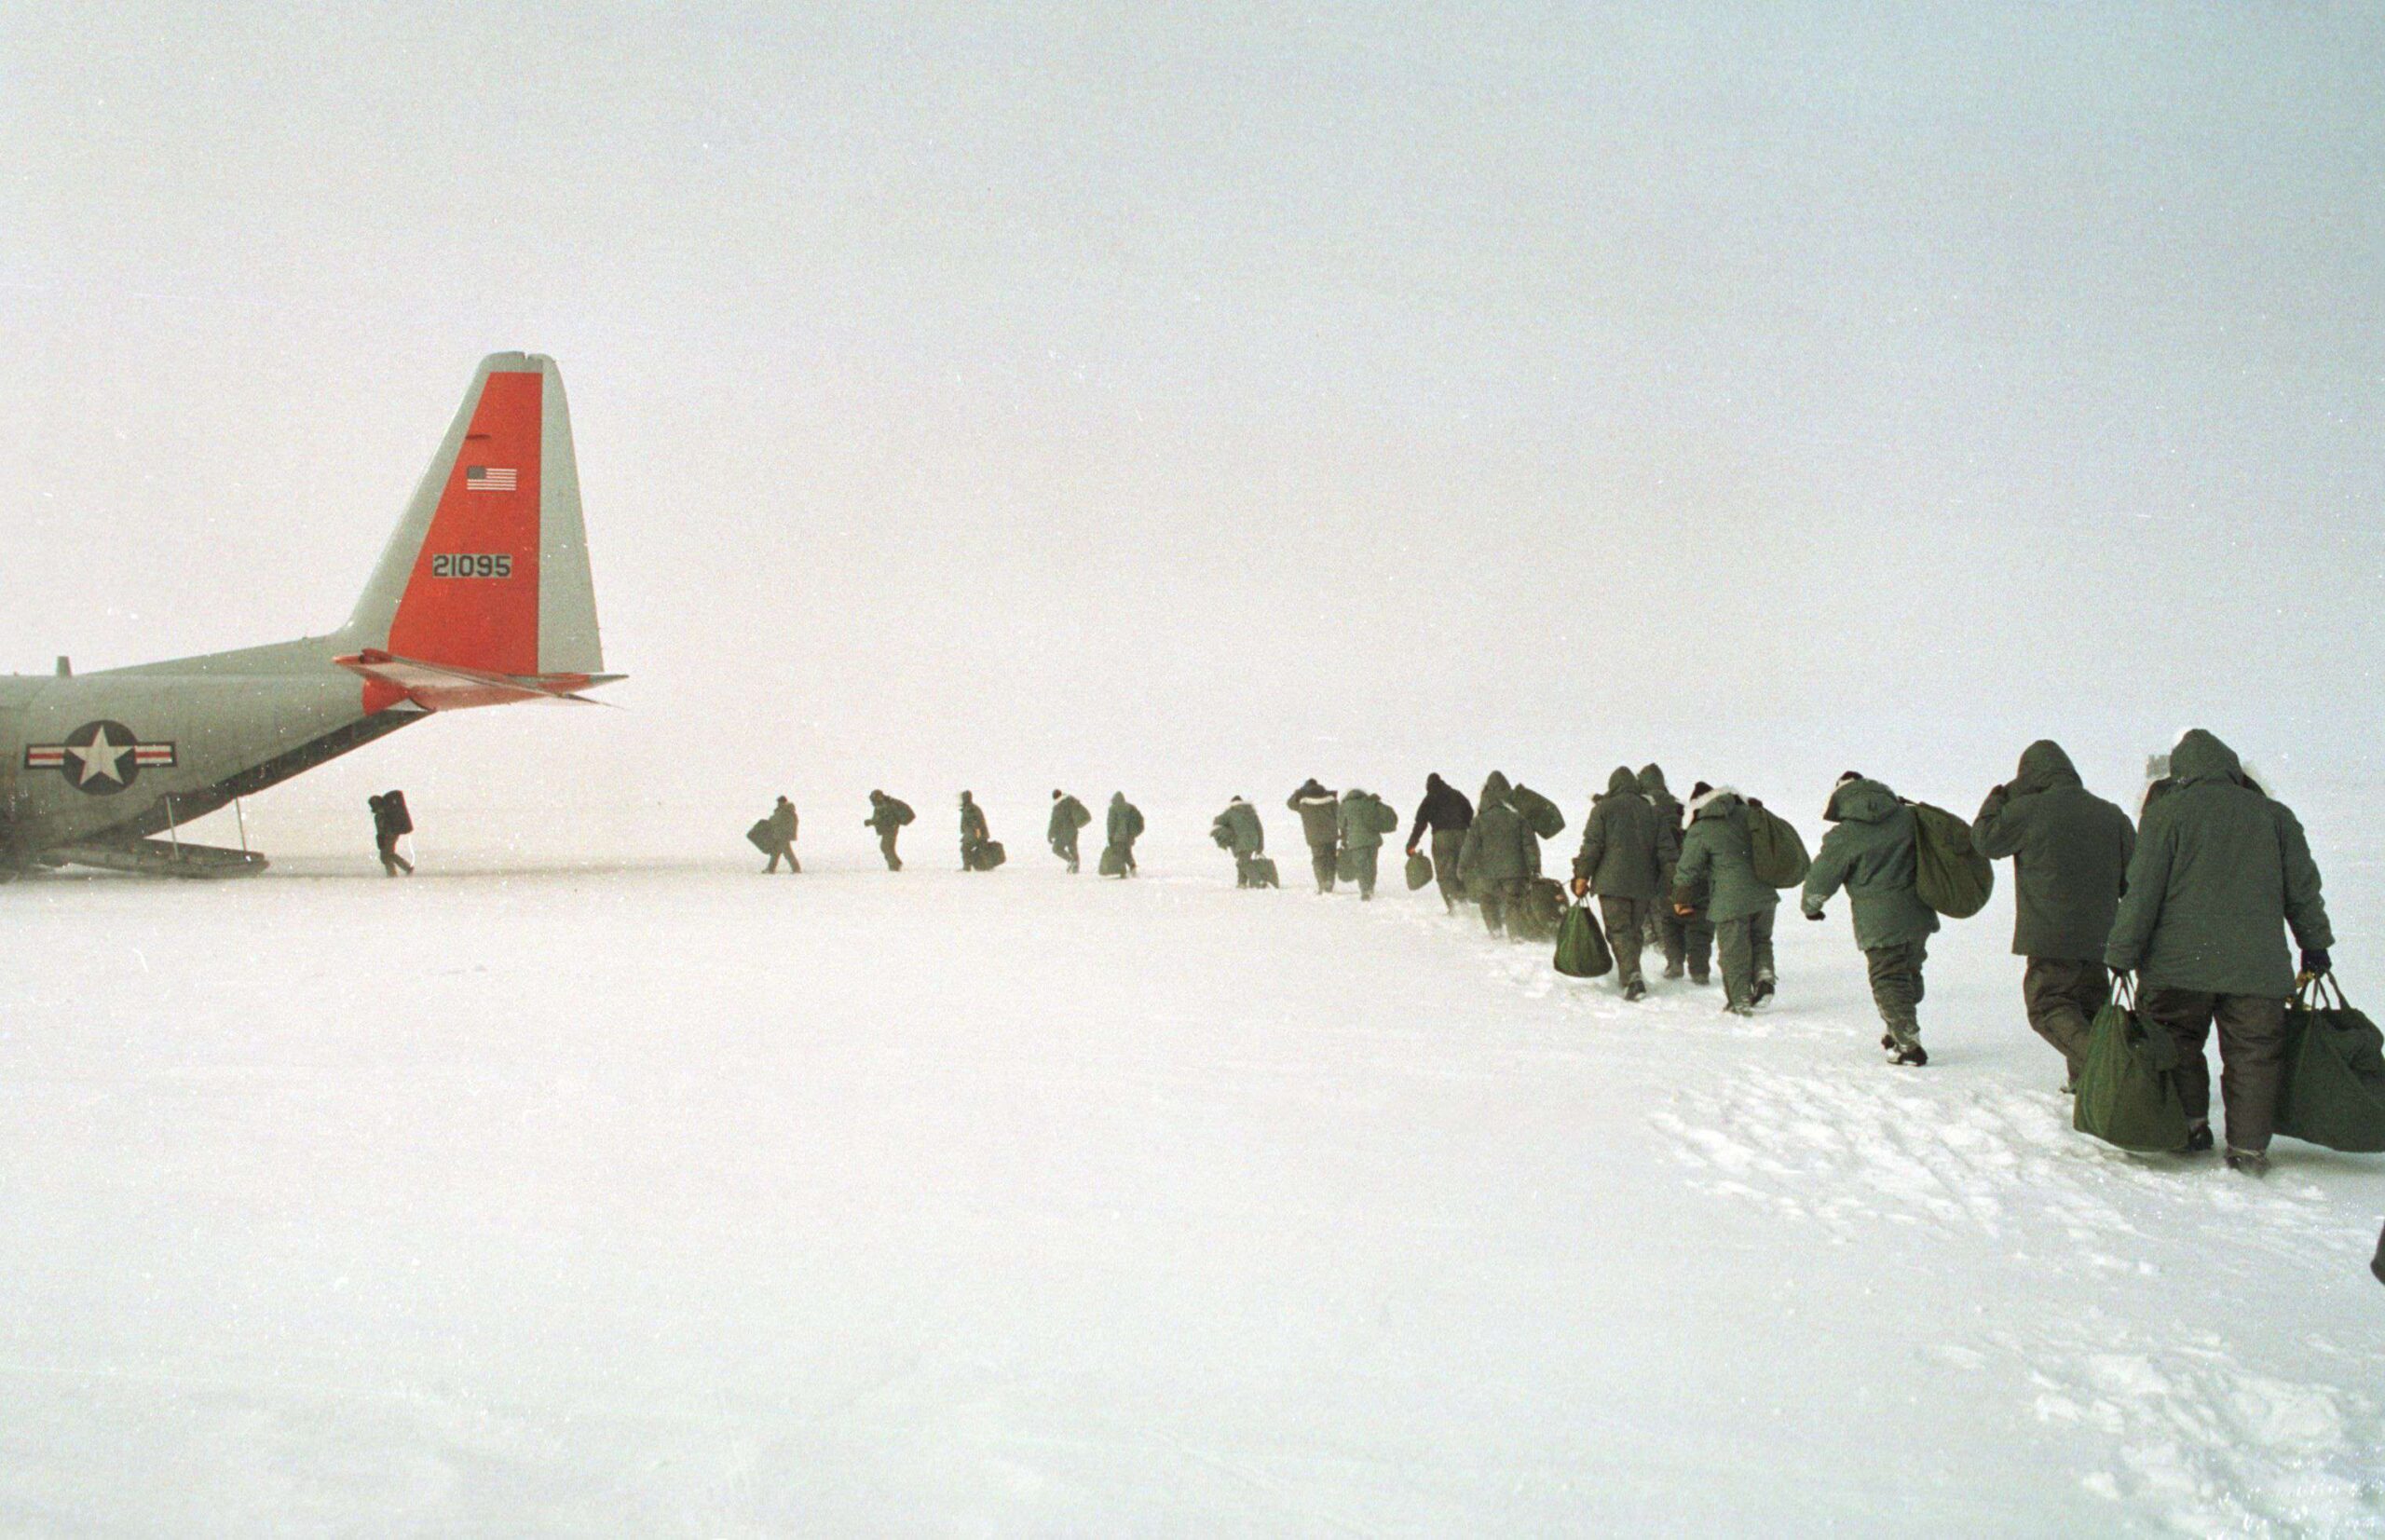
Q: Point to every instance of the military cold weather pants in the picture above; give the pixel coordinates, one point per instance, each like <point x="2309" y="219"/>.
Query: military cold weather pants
<point x="1495" y="898"/>
<point x="1687" y="939"/>
<point x="1626" y="919"/>
<point x="1326" y="862"/>
<point x="1367" y="859"/>
<point x="1448" y="845"/>
<point x="2061" y="998"/>
<point x="787" y="851"/>
<point x="1897" y="987"/>
<point x="1066" y="849"/>
<point x="886" y="849"/>
<point x="2251" y="1057"/>
<point x="1746" y="946"/>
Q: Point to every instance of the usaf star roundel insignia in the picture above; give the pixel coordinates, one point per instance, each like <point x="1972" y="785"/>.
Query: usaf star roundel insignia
<point x="99" y="758"/>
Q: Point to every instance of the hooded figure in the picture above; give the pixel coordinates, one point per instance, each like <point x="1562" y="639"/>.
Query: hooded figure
<point x="1069" y="815"/>
<point x="1494" y="862"/>
<point x="1663" y="924"/>
<point x="887" y="815"/>
<point x="1125" y="828"/>
<point x="973" y="833"/>
<point x="1238" y="829"/>
<point x="1717" y="874"/>
<point x="781" y="827"/>
<point x="1363" y="819"/>
<point x="1869" y="854"/>
<point x="2070" y="851"/>
<point x="1447" y="814"/>
<point x="1622" y="861"/>
<point x="391" y="821"/>
<point x="2220" y="872"/>
<point x="1320" y="813"/>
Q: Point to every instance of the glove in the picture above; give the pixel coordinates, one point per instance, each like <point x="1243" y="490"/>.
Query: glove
<point x="1813" y="913"/>
<point x="2316" y="961"/>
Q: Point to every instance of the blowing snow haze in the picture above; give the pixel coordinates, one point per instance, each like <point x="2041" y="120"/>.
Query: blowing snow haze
<point x="1193" y="395"/>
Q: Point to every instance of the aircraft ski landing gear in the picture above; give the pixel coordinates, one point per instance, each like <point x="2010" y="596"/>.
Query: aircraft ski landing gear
<point x="157" y="858"/>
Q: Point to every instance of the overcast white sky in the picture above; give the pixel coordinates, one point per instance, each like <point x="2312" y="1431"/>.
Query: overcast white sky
<point x="1189" y="391"/>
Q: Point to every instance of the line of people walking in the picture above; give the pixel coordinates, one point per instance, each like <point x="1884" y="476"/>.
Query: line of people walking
<point x="2196" y="904"/>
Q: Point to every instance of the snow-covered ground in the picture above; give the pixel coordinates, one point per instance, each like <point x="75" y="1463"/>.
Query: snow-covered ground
<point x="643" y="1198"/>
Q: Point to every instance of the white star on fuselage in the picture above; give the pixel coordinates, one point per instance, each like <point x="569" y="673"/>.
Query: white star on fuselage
<point x="101" y="759"/>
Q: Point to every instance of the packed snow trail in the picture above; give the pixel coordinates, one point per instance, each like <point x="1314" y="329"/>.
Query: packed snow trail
<point x="690" y="1201"/>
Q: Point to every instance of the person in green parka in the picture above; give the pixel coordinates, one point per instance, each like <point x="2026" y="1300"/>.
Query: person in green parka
<point x="781" y="828"/>
<point x="1363" y="819"/>
<point x="1869" y="852"/>
<point x="1494" y="862"/>
<point x="887" y="815"/>
<point x="2070" y="851"/>
<point x="973" y="833"/>
<point x="1716" y="873"/>
<point x="1665" y="928"/>
<point x="1069" y="815"/>
<point x="1320" y="813"/>
<point x="1622" y="861"/>
<point x="1238" y="829"/>
<point x="2220" y="872"/>
<point x="1125" y="826"/>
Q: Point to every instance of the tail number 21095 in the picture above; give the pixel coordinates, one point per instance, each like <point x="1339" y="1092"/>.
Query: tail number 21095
<point x="462" y="563"/>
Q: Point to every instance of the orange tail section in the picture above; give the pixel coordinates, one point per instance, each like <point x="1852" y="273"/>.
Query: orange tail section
<point x="486" y="577"/>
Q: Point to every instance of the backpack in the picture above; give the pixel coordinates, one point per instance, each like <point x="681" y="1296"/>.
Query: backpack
<point x="1581" y="945"/>
<point x="2333" y="1091"/>
<point x="1775" y="849"/>
<point x="1134" y="821"/>
<point x="1540" y="815"/>
<point x="1385" y="820"/>
<point x="401" y="821"/>
<point x="1948" y="871"/>
<point x="2127" y="1093"/>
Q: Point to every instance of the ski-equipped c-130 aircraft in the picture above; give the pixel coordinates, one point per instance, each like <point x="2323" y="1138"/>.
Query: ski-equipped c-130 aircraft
<point x="483" y="596"/>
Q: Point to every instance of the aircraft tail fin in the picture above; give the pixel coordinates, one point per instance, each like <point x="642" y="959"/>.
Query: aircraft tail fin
<point x="488" y="570"/>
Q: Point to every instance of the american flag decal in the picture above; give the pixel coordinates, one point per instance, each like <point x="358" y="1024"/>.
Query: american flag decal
<point x="488" y="478"/>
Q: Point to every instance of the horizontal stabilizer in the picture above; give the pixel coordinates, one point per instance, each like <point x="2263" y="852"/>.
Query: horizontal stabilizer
<point x="446" y="686"/>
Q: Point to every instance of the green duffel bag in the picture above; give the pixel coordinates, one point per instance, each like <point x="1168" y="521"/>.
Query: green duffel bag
<point x="2128" y="1093"/>
<point x="1581" y="945"/>
<point x="1948" y="871"/>
<point x="763" y="840"/>
<point x="2333" y="1091"/>
<point x="1346" y="866"/>
<point x="1263" y="874"/>
<point x="991" y="854"/>
<point x="1418" y="870"/>
<point x="1774" y="847"/>
<point x="1113" y="861"/>
<point x="1540" y="815"/>
<point x="1537" y="910"/>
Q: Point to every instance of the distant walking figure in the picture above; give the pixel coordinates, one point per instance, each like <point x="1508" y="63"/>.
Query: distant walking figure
<point x="390" y="820"/>
<point x="887" y="815"/>
<point x="775" y="837"/>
